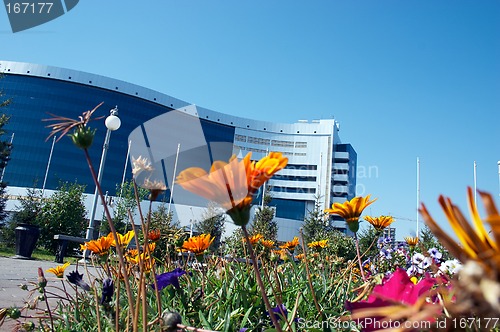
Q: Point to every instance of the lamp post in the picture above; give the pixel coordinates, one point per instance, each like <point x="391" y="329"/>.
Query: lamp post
<point x="112" y="122"/>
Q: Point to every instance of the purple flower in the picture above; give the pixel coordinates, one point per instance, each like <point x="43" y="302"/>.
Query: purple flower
<point x="385" y="254"/>
<point x="170" y="278"/>
<point x="435" y="254"/>
<point x="107" y="290"/>
<point x="77" y="279"/>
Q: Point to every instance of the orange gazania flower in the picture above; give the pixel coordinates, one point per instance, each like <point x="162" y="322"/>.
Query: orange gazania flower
<point x="198" y="244"/>
<point x="379" y="223"/>
<point x="267" y="243"/>
<point x="318" y="244"/>
<point x="154" y="235"/>
<point x="351" y="210"/>
<point x="475" y="243"/>
<point x="411" y="241"/>
<point x="58" y="270"/>
<point x="100" y="246"/>
<point x="254" y="238"/>
<point x="123" y="240"/>
<point x="300" y="256"/>
<point x="290" y="245"/>
<point x="232" y="185"/>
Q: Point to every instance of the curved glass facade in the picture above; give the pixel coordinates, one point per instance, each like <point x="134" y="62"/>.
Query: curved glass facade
<point x="320" y="165"/>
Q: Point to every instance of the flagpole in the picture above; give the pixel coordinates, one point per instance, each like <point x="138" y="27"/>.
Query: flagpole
<point x="264" y="187"/>
<point x="418" y="193"/>
<point x="125" y="168"/>
<point x="498" y="163"/>
<point x="173" y="178"/>
<point x="48" y="166"/>
<point x="475" y="182"/>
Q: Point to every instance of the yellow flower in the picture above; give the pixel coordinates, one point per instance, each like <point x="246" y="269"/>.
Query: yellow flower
<point x="475" y="242"/>
<point x="58" y="270"/>
<point x="290" y="245"/>
<point x="232" y="185"/>
<point x="351" y="210"/>
<point x="198" y="244"/>
<point x="254" y="238"/>
<point x="379" y="223"/>
<point x="267" y="243"/>
<point x="123" y="240"/>
<point x="318" y="244"/>
<point x="100" y="246"/>
<point x="411" y="241"/>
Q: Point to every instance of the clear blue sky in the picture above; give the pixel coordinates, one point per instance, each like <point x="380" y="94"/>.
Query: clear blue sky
<point x="406" y="79"/>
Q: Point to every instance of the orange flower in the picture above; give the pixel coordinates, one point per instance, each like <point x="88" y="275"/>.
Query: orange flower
<point x="318" y="244"/>
<point x="290" y="245"/>
<point x="379" y="223"/>
<point x="300" y="256"/>
<point x="198" y="244"/>
<point x="123" y="240"/>
<point x="154" y="235"/>
<point x="475" y="242"/>
<point x="58" y="270"/>
<point x="232" y="185"/>
<point x="351" y="210"/>
<point x="411" y="241"/>
<point x="100" y="246"/>
<point x="267" y="243"/>
<point x="254" y="238"/>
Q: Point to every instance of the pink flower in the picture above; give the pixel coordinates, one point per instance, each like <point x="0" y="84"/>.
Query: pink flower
<point x="397" y="288"/>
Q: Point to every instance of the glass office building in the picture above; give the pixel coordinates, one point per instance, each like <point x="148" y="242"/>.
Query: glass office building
<point x="319" y="163"/>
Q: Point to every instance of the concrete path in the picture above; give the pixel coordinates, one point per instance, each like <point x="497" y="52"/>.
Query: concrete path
<point x="15" y="272"/>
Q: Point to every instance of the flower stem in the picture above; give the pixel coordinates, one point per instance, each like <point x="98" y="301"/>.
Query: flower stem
<point x="115" y="237"/>
<point x="259" y="281"/>
<point x="359" y="257"/>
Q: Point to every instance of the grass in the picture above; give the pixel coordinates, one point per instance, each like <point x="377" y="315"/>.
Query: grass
<point x="38" y="254"/>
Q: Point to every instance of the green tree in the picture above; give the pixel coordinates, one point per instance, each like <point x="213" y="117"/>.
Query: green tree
<point x="366" y="237"/>
<point x="315" y="224"/>
<point x="213" y="223"/>
<point x="171" y="233"/>
<point x="263" y="221"/>
<point x="427" y="241"/>
<point x="27" y="213"/>
<point x="124" y="202"/>
<point x="5" y="150"/>
<point x="62" y="213"/>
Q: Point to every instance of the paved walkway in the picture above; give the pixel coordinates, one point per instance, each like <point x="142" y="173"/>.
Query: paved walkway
<point x="15" y="272"/>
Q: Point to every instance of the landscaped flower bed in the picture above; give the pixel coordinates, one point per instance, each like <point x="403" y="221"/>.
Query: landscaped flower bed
<point x="295" y="286"/>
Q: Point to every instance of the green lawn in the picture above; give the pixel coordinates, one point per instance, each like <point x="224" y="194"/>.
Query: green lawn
<point x="38" y="254"/>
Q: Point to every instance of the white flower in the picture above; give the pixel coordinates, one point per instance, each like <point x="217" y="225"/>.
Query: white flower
<point x="452" y="266"/>
<point x="141" y="164"/>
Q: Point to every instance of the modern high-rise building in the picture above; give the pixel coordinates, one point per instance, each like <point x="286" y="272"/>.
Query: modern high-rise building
<point x="320" y="165"/>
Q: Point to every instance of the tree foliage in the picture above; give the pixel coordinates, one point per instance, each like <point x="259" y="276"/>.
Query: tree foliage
<point x="263" y="221"/>
<point x="26" y="213"/>
<point x="62" y="213"/>
<point x="213" y="220"/>
<point x="5" y="151"/>
<point x="124" y="201"/>
<point x="171" y="233"/>
<point x="315" y="226"/>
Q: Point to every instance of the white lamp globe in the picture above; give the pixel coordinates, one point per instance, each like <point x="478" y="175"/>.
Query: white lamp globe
<point x="113" y="122"/>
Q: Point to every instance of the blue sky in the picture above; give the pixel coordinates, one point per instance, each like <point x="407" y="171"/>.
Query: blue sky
<point x="405" y="79"/>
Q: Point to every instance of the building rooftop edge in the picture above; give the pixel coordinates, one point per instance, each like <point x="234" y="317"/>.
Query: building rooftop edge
<point x="313" y="127"/>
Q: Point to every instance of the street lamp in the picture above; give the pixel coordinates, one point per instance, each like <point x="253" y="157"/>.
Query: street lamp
<point x="112" y="122"/>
